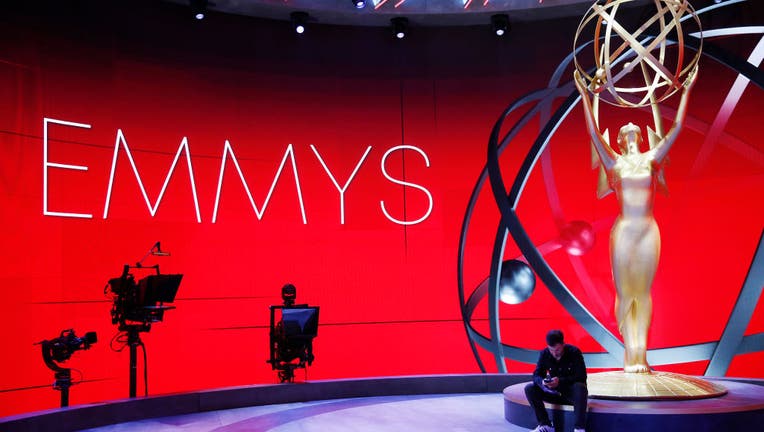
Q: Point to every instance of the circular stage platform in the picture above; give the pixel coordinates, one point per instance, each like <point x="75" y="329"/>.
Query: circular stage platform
<point x="270" y="407"/>
<point x="739" y="409"/>
<point x="426" y="403"/>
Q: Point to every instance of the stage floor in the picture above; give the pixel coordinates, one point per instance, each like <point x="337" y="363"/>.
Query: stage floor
<point x="421" y="413"/>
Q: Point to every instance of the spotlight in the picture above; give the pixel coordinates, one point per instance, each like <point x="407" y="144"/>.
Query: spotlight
<point x="500" y="24"/>
<point x="359" y="4"/>
<point x="299" y="20"/>
<point x="400" y="26"/>
<point x="198" y="8"/>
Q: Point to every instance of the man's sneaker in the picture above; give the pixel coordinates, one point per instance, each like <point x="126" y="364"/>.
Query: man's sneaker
<point x="543" y="428"/>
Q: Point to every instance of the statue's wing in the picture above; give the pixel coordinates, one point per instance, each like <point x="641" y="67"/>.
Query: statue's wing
<point x="603" y="182"/>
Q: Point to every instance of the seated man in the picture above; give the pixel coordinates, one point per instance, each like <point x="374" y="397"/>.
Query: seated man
<point x="559" y="378"/>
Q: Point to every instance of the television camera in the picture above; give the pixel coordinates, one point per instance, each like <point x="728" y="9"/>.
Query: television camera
<point x="59" y="350"/>
<point x="292" y="330"/>
<point x="137" y="305"/>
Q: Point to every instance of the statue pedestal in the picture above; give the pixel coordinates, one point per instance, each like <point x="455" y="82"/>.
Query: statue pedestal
<point x="741" y="407"/>
<point x="651" y="386"/>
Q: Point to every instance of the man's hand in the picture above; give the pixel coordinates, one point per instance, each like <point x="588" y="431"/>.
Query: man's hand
<point x="553" y="383"/>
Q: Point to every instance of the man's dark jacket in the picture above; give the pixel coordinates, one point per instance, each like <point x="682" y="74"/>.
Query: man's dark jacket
<point x="569" y="369"/>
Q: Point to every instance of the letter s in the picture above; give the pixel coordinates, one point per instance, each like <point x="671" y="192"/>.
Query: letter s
<point x="404" y="183"/>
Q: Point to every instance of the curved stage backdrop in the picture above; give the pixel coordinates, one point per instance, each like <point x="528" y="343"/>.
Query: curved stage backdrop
<point x="341" y="161"/>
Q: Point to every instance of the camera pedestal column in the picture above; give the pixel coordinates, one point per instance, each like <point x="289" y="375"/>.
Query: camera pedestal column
<point x="62" y="384"/>
<point x="133" y="341"/>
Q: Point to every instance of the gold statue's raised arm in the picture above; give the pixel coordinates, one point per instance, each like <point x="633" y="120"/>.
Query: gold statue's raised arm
<point x="664" y="145"/>
<point x="601" y="143"/>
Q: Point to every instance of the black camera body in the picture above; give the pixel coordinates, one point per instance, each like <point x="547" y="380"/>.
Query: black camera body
<point x="138" y="305"/>
<point x="61" y="348"/>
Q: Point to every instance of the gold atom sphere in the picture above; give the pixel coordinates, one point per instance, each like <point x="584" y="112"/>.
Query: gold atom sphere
<point x="655" y="52"/>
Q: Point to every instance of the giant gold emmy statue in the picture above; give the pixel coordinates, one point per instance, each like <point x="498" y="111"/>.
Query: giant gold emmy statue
<point x="634" y="69"/>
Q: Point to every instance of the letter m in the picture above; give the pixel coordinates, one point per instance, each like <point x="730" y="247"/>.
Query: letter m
<point x="183" y="147"/>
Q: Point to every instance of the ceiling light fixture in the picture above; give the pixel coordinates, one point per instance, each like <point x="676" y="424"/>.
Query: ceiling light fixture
<point x="198" y="8"/>
<point x="500" y="24"/>
<point x="400" y="26"/>
<point x="359" y="4"/>
<point x="299" y="20"/>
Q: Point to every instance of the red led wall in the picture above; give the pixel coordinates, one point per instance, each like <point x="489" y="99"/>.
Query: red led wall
<point x="360" y="154"/>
